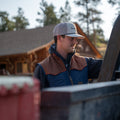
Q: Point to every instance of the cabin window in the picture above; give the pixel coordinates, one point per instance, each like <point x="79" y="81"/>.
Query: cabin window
<point x="21" y="67"/>
<point x="2" y="69"/>
<point x="25" y="67"/>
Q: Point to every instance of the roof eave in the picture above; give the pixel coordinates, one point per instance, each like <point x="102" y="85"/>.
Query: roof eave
<point x="9" y="55"/>
<point x="39" y="48"/>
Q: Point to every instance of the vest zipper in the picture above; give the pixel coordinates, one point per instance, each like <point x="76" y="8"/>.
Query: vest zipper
<point x="71" y="79"/>
<point x="69" y="74"/>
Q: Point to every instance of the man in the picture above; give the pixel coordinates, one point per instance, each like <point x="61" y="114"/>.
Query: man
<point x="63" y="67"/>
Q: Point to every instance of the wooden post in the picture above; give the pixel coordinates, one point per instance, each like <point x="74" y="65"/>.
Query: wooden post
<point x="112" y="53"/>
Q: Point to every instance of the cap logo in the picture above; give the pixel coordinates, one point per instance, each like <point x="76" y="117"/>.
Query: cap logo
<point x="72" y="28"/>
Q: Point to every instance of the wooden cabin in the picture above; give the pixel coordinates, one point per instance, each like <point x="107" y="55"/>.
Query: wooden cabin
<point x="21" y="50"/>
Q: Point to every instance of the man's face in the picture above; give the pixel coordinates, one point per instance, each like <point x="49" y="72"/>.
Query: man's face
<point x="68" y="44"/>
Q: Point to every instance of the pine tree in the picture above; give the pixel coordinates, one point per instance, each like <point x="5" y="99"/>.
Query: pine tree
<point x="20" y="21"/>
<point x="115" y="3"/>
<point x="5" y="23"/>
<point x="90" y="15"/>
<point x="86" y="8"/>
<point x="47" y="15"/>
<point x="65" y="13"/>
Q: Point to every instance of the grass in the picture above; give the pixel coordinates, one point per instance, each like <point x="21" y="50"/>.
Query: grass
<point x="101" y="48"/>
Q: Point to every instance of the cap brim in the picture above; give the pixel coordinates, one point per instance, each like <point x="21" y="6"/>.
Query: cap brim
<point x="76" y="35"/>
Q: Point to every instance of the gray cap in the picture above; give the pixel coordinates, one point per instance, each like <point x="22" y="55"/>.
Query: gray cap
<point x="68" y="29"/>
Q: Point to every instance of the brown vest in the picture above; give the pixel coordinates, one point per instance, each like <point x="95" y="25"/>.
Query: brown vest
<point x="54" y="65"/>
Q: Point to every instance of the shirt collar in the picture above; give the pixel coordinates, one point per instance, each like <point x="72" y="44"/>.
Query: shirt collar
<point x="53" y="50"/>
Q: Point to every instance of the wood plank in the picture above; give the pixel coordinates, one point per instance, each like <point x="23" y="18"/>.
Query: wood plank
<point x="112" y="53"/>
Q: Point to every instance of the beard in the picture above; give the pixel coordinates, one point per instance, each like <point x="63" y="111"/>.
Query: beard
<point x="73" y="49"/>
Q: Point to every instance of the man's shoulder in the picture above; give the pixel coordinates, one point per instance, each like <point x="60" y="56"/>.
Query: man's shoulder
<point x="52" y="65"/>
<point x="78" y="62"/>
<point x="79" y="58"/>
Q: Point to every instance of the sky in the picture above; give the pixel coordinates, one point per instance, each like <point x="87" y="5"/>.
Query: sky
<point x="31" y="7"/>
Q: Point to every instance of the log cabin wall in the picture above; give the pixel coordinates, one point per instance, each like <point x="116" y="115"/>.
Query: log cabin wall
<point x="15" y="64"/>
<point x="39" y="55"/>
<point x="6" y="65"/>
<point x="24" y="63"/>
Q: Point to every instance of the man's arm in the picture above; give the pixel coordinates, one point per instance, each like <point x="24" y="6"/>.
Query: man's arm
<point x="94" y="67"/>
<point x="40" y="75"/>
